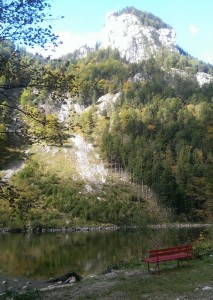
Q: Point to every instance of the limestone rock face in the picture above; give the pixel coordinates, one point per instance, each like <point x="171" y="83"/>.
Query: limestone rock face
<point x="134" y="40"/>
<point x="204" y="78"/>
<point x="167" y="37"/>
<point x="107" y="103"/>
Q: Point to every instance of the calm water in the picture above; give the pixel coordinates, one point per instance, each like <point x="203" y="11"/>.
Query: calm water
<point x="48" y="255"/>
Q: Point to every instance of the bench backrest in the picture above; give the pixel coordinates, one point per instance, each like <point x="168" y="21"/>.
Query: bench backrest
<point x="172" y="250"/>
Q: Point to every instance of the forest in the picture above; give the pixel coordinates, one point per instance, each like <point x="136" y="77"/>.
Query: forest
<point x="160" y="130"/>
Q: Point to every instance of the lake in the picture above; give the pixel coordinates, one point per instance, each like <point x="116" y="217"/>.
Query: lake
<point x="46" y="255"/>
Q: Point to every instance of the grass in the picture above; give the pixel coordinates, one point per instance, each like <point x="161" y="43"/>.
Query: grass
<point x="133" y="284"/>
<point x="29" y="294"/>
<point x="169" y="282"/>
<point x="56" y="160"/>
<point x="172" y="281"/>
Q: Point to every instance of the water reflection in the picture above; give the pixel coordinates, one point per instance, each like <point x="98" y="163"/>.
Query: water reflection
<point x="48" y="255"/>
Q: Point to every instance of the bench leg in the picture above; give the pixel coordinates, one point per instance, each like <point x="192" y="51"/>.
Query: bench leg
<point x="188" y="260"/>
<point x="157" y="267"/>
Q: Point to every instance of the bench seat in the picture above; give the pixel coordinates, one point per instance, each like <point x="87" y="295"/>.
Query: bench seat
<point x="167" y="254"/>
<point x="167" y="257"/>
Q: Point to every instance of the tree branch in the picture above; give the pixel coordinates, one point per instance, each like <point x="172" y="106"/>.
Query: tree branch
<point x="19" y="109"/>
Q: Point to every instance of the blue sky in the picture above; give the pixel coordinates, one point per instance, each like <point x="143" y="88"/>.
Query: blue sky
<point x="84" y="19"/>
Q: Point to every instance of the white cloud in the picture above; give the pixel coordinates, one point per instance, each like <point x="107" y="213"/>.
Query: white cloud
<point x="193" y="29"/>
<point x="71" y="41"/>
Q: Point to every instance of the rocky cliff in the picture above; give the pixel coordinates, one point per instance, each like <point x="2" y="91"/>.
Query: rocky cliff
<point x="134" y="40"/>
<point x="138" y="35"/>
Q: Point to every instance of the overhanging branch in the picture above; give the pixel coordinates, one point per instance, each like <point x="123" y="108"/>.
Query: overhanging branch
<point x="14" y="106"/>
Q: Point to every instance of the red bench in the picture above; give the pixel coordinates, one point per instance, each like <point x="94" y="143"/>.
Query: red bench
<point x="179" y="253"/>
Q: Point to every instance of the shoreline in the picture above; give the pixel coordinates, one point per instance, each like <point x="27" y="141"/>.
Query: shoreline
<point x="11" y="283"/>
<point x="102" y="228"/>
<point x="194" y="287"/>
<point x="21" y="284"/>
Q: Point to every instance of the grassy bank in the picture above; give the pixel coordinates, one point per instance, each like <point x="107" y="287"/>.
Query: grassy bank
<point x="137" y="284"/>
<point x="132" y="283"/>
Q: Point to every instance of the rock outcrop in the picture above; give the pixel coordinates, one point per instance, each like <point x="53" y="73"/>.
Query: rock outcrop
<point x="107" y="103"/>
<point x="69" y="277"/>
<point x="134" y="40"/>
<point x="137" y="36"/>
<point x="204" y="78"/>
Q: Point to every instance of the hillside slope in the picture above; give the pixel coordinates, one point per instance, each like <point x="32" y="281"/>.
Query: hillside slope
<point x="72" y="186"/>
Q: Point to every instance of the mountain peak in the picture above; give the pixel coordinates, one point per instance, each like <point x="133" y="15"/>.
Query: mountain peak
<point x="137" y="35"/>
<point x="146" y="18"/>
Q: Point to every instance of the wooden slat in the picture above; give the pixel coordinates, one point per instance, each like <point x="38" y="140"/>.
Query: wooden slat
<point x="185" y="248"/>
<point x="171" y="250"/>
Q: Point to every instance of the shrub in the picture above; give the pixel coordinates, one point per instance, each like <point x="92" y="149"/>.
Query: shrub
<point x="203" y="248"/>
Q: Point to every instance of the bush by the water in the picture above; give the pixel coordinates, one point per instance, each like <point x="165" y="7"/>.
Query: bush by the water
<point x="203" y="248"/>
